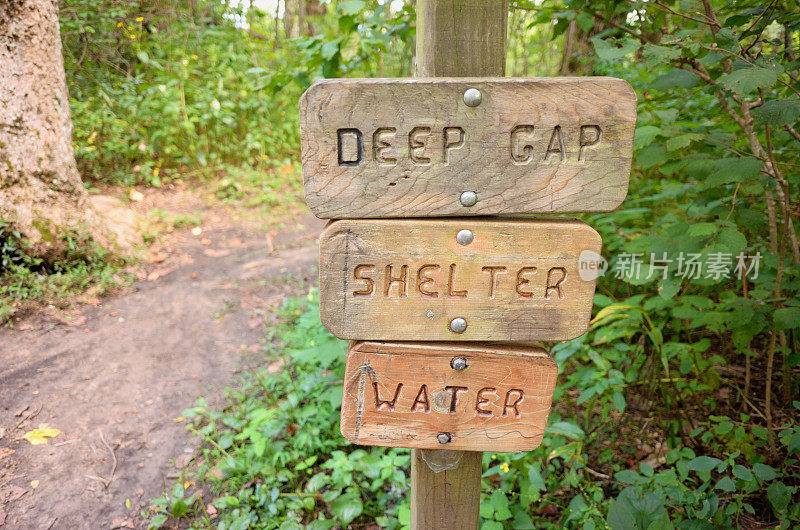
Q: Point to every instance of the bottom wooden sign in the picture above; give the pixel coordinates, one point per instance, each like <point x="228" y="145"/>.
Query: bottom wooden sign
<point x="473" y="397"/>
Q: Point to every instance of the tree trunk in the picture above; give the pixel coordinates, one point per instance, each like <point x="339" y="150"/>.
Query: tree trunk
<point x="40" y="189"/>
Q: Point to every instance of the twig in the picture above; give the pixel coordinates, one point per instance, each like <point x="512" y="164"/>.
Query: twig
<point x="114" y="457"/>
<point x="30" y="416"/>
<point x="65" y="442"/>
<point x="597" y="473"/>
<point x="791" y="130"/>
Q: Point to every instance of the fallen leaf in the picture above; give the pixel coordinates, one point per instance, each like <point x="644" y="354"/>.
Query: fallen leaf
<point x="188" y="484"/>
<point x="193" y="275"/>
<point x="34" y="484"/>
<point x="157" y="257"/>
<point x="76" y="321"/>
<point x="205" y="241"/>
<point x="288" y="168"/>
<point x="5" y="451"/>
<point x="135" y="195"/>
<point x="212" y="511"/>
<point x="39" y="436"/>
<point x="178" y="419"/>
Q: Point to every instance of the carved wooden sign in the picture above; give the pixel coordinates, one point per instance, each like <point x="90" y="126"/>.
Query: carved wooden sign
<point x="456" y="279"/>
<point x="377" y="148"/>
<point x="426" y="395"/>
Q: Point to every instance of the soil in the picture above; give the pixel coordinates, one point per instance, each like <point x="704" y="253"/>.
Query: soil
<point x="114" y="377"/>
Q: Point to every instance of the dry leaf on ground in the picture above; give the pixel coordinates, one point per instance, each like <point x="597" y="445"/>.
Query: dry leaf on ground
<point x="39" y="436"/>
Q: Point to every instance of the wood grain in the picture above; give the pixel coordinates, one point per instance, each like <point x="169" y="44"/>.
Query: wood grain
<point x="517" y="280"/>
<point x="402" y="395"/>
<point x="410" y="147"/>
<point x="449" y="499"/>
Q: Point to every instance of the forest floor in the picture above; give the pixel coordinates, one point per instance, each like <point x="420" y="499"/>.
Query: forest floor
<point x="114" y="375"/>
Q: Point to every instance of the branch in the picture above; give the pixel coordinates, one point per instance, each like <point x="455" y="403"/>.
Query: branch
<point x="791" y="130"/>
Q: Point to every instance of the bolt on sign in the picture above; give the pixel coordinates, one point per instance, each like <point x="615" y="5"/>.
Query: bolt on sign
<point x="424" y="395"/>
<point x="378" y="148"/>
<point x="456" y="279"/>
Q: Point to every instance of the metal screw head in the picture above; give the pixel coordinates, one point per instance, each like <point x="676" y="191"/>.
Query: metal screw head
<point x="458" y="325"/>
<point x="458" y="363"/>
<point x="469" y="198"/>
<point x="472" y="97"/>
<point x="444" y="437"/>
<point x="464" y="237"/>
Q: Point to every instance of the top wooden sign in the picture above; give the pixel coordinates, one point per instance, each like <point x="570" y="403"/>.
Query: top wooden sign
<point x="376" y="148"/>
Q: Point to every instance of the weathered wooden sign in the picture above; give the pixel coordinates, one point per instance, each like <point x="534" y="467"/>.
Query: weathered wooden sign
<point x="456" y="279"/>
<point x="447" y="396"/>
<point x="477" y="146"/>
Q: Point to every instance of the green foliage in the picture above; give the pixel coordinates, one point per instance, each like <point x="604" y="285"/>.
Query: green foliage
<point x="26" y="280"/>
<point x="275" y="458"/>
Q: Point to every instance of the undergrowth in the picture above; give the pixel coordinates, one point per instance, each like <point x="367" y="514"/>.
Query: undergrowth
<point x="27" y="281"/>
<point x="274" y="457"/>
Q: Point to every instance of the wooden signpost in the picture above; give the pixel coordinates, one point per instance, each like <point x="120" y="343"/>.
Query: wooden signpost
<point x="510" y="280"/>
<point x="389" y="158"/>
<point x="412" y="147"/>
<point x="424" y="395"/>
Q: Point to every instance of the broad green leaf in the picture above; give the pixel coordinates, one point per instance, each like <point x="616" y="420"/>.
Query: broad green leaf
<point x="657" y="55"/>
<point x="346" y="508"/>
<point x="739" y="471"/>
<point x="779" y="496"/>
<point x="702" y="229"/>
<point x="645" y="136"/>
<point x="733" y="240"/>
<point x="730" y="170"/>
<point x="682" y="140"/>
<point x="351" y="7"/>
<point x="500" y="504"/>
<point x="703" y="463"/>
<point x="621" y="516"/>
<point x="628" y="476"/>
<point x="585" y="21"/>
<point x="619" y="401"/>
<point x="727" y="40"/>
<point x="329" y="49"/>
<point x="570" y="430"/>
<point x="536" y="478"/>
<point x="777" y="112"/>
<point x="787" y="318"/>
<point x="675" y="78"/>
<point x="725" y="484"/>
<point x="764" y="472"/>
<point x="745" y="80"/>
<point x="608" y="49"/>
<point x="794" y="443"/>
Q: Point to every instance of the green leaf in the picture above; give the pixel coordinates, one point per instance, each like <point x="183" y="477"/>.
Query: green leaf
<point x="702" y="229"/>
<point x="725" y="484"/>
<point x="727" y="40"/>
<point x="608" y="49"/>
<point x="619" y="401"/>
<point x="585" y="21"/>
<point x="703" y="463"/>
<point x="346" y="508"/>
<point x="157" y="522"/>
<point x="500" y="504"/>
<point x="739" y="471"/>
<point x="733" y="240"/>
<point x="730" y="170"/>
<point x="570" y="430"/>
<point x="794" y="443"/>
<point x="746" y="80"/>
<point x="779" y="496"/>
<point x="492" y="525"/>
<point x="777" y="112"/>
<point x="787" y="318"/>
<point x="645" y="136"/>
<point x="351" y="7"/>
<point x="764" y="472"/>
<point x="621" y="516"/>
<point x="675" y="78"/>
<point x="628" y="476"/>
<point x="329" y="49"/>
<point x="682" y="140"/>
<point x="657" y="55"/>
<point x="536" y="478"/>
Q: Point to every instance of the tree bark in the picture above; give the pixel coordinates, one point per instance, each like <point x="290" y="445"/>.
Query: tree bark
<point x="40" y="188"/>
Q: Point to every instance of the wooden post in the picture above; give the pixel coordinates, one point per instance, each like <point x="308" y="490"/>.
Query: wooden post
<point x="455" y="38"/>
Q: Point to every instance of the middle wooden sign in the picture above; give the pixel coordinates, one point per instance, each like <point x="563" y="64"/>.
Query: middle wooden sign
<point x="458" y="279"/>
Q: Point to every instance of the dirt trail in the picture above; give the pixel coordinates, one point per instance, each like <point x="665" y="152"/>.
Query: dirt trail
<point x="116" y="380"/>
